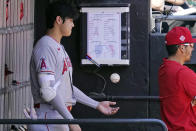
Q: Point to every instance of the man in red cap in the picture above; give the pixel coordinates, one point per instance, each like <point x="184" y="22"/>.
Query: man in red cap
<point x="177" y="82"/>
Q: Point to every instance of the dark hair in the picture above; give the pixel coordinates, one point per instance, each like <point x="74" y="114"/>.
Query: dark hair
<point x="172" y="49"/>
<point x="62" y="9"/>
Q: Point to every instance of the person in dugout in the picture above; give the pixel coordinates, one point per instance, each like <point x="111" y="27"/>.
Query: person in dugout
<point x="177" y="82"/>
<point x="51" y="74"/>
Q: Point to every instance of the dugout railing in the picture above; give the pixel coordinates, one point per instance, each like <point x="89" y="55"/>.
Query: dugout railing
<point x="86" y="121"/>
<point x="145" y="122"/>
<point x="159" y="19"/>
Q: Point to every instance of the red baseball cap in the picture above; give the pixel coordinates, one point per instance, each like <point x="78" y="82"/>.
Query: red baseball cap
<point x="178" y="36"/>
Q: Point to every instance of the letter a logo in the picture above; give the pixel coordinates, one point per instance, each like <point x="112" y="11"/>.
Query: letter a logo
<point x="64" y="68"/>
<point x="43" y="64"/>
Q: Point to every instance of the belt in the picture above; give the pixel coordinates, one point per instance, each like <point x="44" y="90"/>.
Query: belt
<point x="38" y="106"/>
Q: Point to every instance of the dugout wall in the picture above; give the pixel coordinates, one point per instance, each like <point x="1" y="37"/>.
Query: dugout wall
<point x="139" y="79"/>
<point x="16" y="43"/>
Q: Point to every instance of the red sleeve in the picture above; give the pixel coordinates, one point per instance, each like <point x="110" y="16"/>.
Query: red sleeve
<point x="187" y="79"/>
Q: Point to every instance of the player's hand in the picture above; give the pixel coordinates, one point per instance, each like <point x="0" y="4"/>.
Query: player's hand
<point x="30" y="113"/>
<point x="105" y="107"/>
<point x="74" y="127"/>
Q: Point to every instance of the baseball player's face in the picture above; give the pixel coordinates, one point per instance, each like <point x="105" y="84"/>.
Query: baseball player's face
<point x="66" y="27"/>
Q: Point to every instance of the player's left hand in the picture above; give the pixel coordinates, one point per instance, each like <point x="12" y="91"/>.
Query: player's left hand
<point x="105" y="108"/>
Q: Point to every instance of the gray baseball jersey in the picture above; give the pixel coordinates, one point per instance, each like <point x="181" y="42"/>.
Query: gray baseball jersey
<point x="50" y="57"/>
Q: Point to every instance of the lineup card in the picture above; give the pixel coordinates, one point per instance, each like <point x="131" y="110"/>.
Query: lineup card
<point x="104" y="35"/>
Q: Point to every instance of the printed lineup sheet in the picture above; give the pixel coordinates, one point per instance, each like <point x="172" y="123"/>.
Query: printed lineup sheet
<point x="104" y="35"/>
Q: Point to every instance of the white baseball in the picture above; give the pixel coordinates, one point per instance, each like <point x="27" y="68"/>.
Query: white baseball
<point x="115" y="78"/>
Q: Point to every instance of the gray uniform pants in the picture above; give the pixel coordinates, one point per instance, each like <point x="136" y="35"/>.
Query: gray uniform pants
<point x="47" y="112"/>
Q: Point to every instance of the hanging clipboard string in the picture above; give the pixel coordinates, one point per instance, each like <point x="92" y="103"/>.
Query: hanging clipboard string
<point x="71" y="83"/>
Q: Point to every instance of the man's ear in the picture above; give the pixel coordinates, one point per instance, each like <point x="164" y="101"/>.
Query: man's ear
<point x="59" y="20"/>
<point x="181" y="48"/>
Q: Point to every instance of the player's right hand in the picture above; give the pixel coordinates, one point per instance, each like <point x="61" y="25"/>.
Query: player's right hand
<point x="105" y="107"/>
<point x="74" y="127"/>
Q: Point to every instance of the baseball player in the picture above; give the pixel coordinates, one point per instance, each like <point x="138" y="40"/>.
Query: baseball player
<point x="51" y="73"/>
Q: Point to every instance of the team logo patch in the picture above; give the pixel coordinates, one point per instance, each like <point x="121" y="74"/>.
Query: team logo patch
<point x="43" y="63"/>
<point x="64" y="67"/>
<point x="182" y="38"/>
